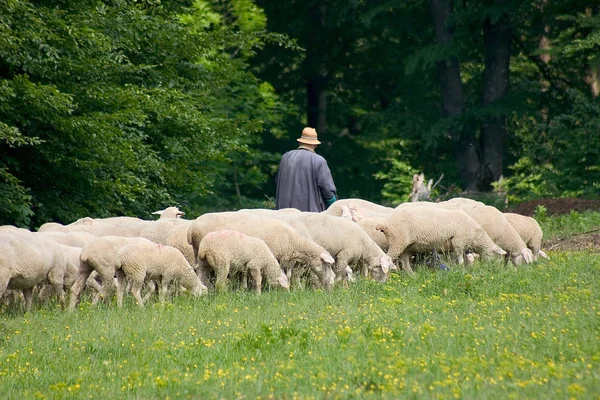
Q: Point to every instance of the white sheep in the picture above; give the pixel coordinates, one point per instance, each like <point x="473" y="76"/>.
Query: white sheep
<point x="530" y="231"/>
<point x="27" y="260"/>
<point x="365" y="207"/>
<point x="287" y="245"/>
<point x="169" y="212"/>
<point x="227" y="252"/>
<point x="348" y="244"/>
<point x="145" y="260"/>
<point x="495" y="224"/>
<point x="177" y="237"/>
<point x="423" y="229"/>
<point x="286" y="214"/>
<point x="99" y="255"/>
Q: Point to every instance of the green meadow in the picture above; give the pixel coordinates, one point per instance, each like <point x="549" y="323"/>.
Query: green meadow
<point x="487" y="332"/>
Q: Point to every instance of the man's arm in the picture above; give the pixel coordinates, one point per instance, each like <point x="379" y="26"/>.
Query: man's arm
<point x="325" y="184"/>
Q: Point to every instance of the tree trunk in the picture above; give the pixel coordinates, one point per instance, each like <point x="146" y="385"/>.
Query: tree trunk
<point x="453" y="101"/>
<point x="497" y="40"/>
<point x="316" y="71"/>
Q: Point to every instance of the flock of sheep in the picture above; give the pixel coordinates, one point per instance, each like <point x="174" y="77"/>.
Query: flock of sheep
<point x="282" y="247"/>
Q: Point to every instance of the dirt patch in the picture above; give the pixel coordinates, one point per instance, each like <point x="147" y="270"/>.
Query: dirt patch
<point x="579" y="242"/>
<point x="557" y="206"/>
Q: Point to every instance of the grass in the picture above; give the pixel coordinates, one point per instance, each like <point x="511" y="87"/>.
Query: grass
<point x="567" y="224"/>
<point x="487" y="332"/>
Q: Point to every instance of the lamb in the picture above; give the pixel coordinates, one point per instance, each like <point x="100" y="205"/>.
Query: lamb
<point x="27" y="260"/>
<point x="418" y="229"/>
<point x="286" y="214"/>
<point x="169" y="212"/>
<point x="287" y="245"/>
<point x="367" y="208"/>
<point x="75" y="239"/>
<point x="177" y="237"/>
<point x="12" y="229"/>
<point x="143" y="259"/>
<point x="348" y="244"/>
<point x="158" y="231"/>
<point x="99" y="255"/>
<point x="227" y="252"/>
<point x="495" y="224"/>
<point x="530" y="231"/>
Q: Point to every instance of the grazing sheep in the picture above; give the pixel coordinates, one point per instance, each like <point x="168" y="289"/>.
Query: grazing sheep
<point x="169" y="212"/>
<point x="27" y="260"/>
<point x="530" y="231"/>
<point x="285" y="214"/>
<point x="13" y="229"/>
<point x="495" y="224"/>
<point x="227" y="252"/>
<point x="99" y="255"/>
<point x="287" y="245"/>
<point x="141" y="260"/>
<point x="74" y="239"/>
<point x="367" y="208"/>
<point x="420" y="229"/>
<point x="158" y="231"/>
<point x="348" y="244"/>
<point x="177" y="237"/>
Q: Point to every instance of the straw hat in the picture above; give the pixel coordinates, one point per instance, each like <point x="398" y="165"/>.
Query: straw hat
<point x="309" y="136"/>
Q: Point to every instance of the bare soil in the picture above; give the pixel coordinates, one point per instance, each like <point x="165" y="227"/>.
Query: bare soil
<point x="557" y="206"/>
<point x="579" y="242"/>
<point x="585" y="241"/>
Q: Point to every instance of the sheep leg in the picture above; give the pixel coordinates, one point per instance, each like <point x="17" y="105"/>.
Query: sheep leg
<point x="221" y="279"/>
<point x="56" y="277"/>
<point x="257" y="278"/>
<point x="339" y="268"/>
<point x="405" y="261"/>
<point x="77" y="287"/>
<point x="28" y="297"/>
<point x="203" y="272"/>
<point x="121" y="286"/>
<point x="136" y="291"/>
<point x="163" y="289"/>
<point x="151" y="290"/>
<point x="108" y="283"/>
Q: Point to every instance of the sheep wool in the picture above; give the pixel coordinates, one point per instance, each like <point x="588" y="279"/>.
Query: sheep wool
<point x="495" y="224"/>
<point x="100" y="255"/>
<point x="285" y="243"/>
<point x="227" y="252"/>
<point x="366" y="208"/>
<point x="27" y="260"/>
<point x="418" y="229"/>
<point x="348" y="244"/>
<point x="530" y="231"/>
<point x="143" y="260"/>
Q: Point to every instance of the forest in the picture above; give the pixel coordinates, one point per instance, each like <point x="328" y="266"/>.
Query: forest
<point x="126" y="107"/>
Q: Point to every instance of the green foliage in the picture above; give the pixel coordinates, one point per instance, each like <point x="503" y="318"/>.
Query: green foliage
<point x="574" y="223"/>
<point x="122" y="108"/>
<point x="398" y="181"/>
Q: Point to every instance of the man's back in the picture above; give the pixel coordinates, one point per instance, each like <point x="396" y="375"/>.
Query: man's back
<point x="304" y="181"/>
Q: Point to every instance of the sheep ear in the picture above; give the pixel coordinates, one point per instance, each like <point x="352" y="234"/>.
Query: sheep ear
<point x="158" y="212"/>
<point x="346" y="212"/>
<point x="498" y="250"/>
<point x="542" y="253"/>
<point x="386" y="264"/>
<point x="327" y="258"/>
<point x="381" y="228"/>
<point x="283" y="281"/>
<point x="527" y="255"/>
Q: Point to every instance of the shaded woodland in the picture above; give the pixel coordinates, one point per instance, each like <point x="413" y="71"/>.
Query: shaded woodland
<point x="123" y="108"/>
